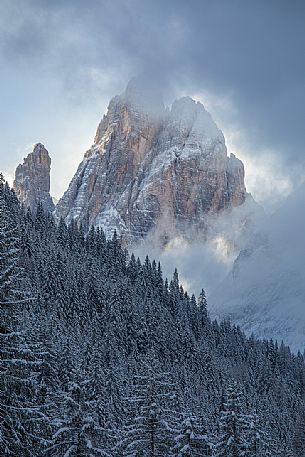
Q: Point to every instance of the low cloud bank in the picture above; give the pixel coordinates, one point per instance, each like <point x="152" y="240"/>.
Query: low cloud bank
<point x="265" y="292"/>
<point x="204" y="261"/>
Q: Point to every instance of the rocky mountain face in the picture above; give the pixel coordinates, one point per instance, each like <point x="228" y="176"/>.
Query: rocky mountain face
<point x="153" y="170"/>
<point x="32" y="179"/>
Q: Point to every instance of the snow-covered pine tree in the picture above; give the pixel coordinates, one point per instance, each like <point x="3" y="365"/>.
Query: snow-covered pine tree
<point x="76" y="425"/>
<point x="234" y="427"/>
<point x="202" y="305"/>
<point x="174" y="296"/>
<point x="191" y="440"/>
<point x="151" y="432"/>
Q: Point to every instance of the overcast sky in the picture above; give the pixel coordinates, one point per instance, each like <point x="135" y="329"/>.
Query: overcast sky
<point x="61" y="62"/>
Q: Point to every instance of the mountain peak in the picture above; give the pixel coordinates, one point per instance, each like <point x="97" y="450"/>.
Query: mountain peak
<point x="32" y="179"/>
<point x="39" y="148"/>
<point x="191" y="114"/>
<point x="143" y="96"/>
<point x="149" y="173"/>
<point x="127" y="113"/>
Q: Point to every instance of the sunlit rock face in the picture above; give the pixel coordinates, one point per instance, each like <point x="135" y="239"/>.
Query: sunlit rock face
<point x="32" y="179"/>
<point x="153" y="169"/>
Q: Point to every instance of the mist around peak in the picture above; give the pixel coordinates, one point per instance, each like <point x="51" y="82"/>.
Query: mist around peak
<point x="205" y="258"/>
<point x="265" y="290"/>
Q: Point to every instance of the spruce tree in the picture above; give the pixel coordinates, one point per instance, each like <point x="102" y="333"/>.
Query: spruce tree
<point x="232" y="440"/>
<point x="191" y="439"/>
<point x="155" y="406"/>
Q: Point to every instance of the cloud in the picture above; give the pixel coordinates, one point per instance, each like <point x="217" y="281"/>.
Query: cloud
<point x="267" y="176"/>
<point x="206" y="259"/>
<point x="265" y="293"/>
<point x="200" y="265"/>
<point x="60" y="58"/>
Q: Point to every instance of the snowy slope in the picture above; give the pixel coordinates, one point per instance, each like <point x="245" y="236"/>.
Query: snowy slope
<point x="265" y="291"/>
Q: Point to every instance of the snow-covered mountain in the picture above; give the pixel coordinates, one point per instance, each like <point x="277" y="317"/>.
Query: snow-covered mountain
<point x="153" y="169"/>
<point x="265" y="291"/>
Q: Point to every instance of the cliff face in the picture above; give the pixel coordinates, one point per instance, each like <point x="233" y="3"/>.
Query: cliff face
<point x="32" y="179"/>
<point x="153" y="169"/>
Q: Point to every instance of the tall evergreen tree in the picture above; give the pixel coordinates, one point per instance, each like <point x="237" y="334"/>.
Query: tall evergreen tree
<point x="234" y="425"/>
<point x="151" y="431"/>
<point x="191" y="439"/>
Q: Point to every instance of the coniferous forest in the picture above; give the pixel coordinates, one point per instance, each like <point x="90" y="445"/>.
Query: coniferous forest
<point x="103" y="356"/>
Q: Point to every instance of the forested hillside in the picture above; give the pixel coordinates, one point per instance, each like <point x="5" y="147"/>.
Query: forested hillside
<point x="102" y="356"/>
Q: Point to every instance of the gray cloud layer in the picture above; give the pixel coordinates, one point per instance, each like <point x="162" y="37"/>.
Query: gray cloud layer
<point x="64" y="59"/>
